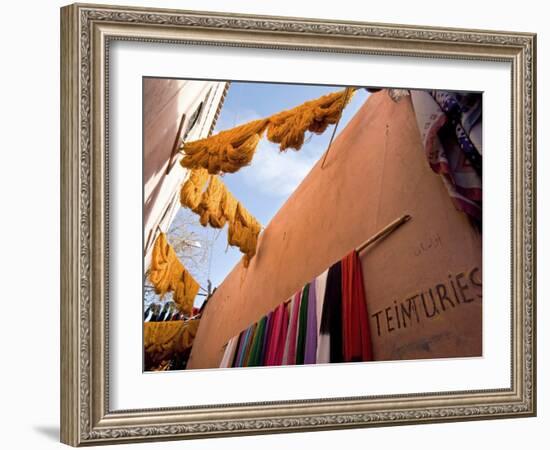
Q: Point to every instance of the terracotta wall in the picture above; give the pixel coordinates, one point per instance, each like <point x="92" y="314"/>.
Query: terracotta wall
<point x="375" y="172"/>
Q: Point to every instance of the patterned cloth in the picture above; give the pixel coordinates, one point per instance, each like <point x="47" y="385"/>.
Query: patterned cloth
<point x="450" y="129"/>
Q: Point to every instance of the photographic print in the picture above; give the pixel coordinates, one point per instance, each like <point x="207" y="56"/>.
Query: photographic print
<point x="290" y="224"/>
<point x="253" y="207"/>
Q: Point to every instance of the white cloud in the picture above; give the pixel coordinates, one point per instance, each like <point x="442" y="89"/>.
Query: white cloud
<point x="271" y="172"/>
<point x="276" y="173"/>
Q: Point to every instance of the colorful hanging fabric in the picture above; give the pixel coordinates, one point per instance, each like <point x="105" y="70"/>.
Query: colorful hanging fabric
<point x="277" y="336"/>
<point x="256" y="345"/>
<point x="267" y="337"/>
<point x="331" y="320"/>
<point x="450" y="129"/>
<point x="232" y="149"/>
<point x="463" y="112"/>
<point x="167" y="274"/>
<point x="302" y="326"/>
<point x="229" y="353"/>
<point x="327" y="321"/>
<point x="357" y="345"/>
<point x="289" y="355"/>
<point x="248" y="348"/>
<point x="163" y="340"/>
<point x="322" y="347"/>
<point x="310" y="354"/>
<point x="239" y="349"/>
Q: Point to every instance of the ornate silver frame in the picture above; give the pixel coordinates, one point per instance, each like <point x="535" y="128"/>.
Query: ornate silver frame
<point x="86" y="31"/>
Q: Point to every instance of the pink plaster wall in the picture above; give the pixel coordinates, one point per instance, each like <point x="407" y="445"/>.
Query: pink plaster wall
<point x="375" y="172"/>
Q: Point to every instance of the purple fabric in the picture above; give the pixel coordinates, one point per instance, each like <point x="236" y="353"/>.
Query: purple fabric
<point x="310" y="356"/>
<point x="289" y="356"/>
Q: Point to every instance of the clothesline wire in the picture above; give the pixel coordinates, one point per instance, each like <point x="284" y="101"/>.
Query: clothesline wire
<point x="211" y="250"/>
<point x="334" y="130"/>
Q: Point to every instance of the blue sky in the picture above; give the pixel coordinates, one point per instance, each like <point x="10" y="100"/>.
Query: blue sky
<point x="265" y="185"/>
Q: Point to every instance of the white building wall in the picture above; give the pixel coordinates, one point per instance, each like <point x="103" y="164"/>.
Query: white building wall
<point x="173" y="110"/>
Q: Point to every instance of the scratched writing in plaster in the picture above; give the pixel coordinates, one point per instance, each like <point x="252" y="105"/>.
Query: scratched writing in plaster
<point x="459" y="289"/>
<point x="429" y="244"/>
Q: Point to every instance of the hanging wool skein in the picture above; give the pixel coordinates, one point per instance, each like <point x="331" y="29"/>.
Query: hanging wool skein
<point x="243" y="233"/>
<point x="168" y="274"/>
<point x="226" y="151"/>
<point x="191" y="189"/>
<point x="209" y="207"/>
<point x="288" y="128"/>
<point x="232" y="149"/>
<point x="228" y="205"/>
<point x="217" y="206"/>
<point x="163" y="340"/>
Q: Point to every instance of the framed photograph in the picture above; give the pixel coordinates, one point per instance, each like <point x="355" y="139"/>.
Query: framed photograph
<point x="276" y="224"/>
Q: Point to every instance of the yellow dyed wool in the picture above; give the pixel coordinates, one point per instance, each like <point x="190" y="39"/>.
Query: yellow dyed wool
<point x="232" y="149"/>
<point x="185" y="291"/>
<point x="163" y="340"/>
<point x="243" y="233"/>
<point x="228" y="205"/>
<point x="209" y="207"/>
<point x="288" y="128"/>
<point x="191" y="189"/>
<point x="217" y="205"/>
<point x="226" y="151"/>
<point x="167" y="274"/>
<point x="162" y="265"/>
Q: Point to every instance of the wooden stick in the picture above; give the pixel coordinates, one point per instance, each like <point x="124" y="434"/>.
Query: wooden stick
<point x="388" y="229"/>
<point x="176" y="146"/>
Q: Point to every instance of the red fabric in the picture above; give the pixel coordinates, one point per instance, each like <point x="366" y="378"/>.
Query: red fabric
<point x="357" y="345"/>
<point x="278" y="339"/>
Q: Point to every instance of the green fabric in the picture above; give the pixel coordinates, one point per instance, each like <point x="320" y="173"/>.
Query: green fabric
<point x="302" y="326"/>
<point x="257" y="341"/>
